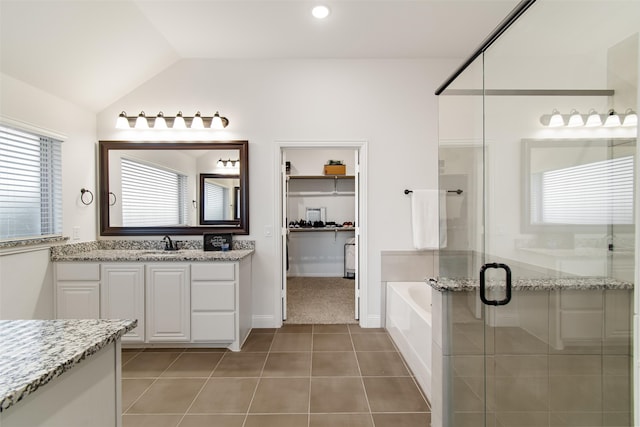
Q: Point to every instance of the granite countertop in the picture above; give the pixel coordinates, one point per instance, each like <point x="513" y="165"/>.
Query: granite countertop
<point x="147" y="251"/>
<point x="530" y="284"/>
<point x="33" y="352"/>
<point x="150" y="255"/>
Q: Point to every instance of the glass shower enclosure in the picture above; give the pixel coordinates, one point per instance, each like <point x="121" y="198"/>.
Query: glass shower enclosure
<point x="536" y="277"/>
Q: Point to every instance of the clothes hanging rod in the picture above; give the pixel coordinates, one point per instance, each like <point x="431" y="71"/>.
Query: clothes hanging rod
<point x="458" y="191"/>
<point x="493" y="36"/>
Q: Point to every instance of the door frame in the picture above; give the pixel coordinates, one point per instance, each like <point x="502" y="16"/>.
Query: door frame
<point x="360" y="146"/>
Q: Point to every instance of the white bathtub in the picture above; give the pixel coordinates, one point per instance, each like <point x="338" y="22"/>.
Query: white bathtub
<point x="409" y="324"/>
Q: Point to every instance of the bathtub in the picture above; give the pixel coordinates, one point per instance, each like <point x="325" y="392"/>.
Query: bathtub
<point x="408" y="321"/>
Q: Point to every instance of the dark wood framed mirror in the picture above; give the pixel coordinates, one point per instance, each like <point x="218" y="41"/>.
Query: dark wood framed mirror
<point x="153" y="188"/>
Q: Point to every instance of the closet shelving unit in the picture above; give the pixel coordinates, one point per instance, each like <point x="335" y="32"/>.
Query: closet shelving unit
<point x="324" y="185"/>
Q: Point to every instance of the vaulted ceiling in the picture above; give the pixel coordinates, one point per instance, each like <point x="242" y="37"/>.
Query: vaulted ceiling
<point x="92" y="52"/>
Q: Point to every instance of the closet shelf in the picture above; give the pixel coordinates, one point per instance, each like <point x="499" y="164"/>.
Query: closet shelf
<point x="320" y="193"/>
<point x="321" y="229"/>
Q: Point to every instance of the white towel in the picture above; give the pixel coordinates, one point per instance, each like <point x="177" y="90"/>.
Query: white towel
<point x="429" y="219"/>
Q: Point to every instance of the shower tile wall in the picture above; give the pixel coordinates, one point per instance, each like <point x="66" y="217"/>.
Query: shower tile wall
<point x="563" y="359"/>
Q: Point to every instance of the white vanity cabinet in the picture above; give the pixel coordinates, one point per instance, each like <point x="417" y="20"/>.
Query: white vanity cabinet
<point x="77" y="290"/>
<point x="221" y="302"/>
<point x="168" y="303"/>
<point x="122" y="296"/>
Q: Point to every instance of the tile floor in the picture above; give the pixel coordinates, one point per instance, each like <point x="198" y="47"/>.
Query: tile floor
<point x="295" y="376"/>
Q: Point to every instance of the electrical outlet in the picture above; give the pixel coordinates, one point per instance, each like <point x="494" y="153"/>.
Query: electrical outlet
<point x="76" y="233"/>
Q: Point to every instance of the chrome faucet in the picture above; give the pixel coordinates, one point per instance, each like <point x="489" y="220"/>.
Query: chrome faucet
<point x="168" y="244"/>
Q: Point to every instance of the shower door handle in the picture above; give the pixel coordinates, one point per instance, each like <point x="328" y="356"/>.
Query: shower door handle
<point x="483" y="296"/>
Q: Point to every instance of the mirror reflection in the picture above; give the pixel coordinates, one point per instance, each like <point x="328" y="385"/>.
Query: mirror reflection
<point x="153" y="188"/>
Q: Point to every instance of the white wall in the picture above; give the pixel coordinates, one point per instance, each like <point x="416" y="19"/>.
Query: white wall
<point x="388" y="103"/>
<point x="26" y="288"/>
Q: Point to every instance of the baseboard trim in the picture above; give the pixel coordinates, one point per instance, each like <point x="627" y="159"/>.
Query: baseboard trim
<point x="373" y="321"/>
<point x="263" y="321"/>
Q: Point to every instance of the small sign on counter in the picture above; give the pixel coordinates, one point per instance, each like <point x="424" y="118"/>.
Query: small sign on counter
<point x="217" y="242"/>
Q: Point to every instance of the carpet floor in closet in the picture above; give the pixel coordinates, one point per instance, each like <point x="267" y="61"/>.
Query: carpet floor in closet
<point x="320" y="300"/>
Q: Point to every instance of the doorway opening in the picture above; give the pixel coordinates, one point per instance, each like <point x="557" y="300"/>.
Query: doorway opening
<point x="321" y="227"/>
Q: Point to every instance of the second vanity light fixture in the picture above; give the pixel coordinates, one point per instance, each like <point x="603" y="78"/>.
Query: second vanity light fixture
<point x="591" y="119"/>
<point x="160" y="121"/>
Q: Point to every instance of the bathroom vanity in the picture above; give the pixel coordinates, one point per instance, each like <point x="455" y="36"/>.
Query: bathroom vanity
<point x="186" y="298"/>
<point x="58" y="373"/>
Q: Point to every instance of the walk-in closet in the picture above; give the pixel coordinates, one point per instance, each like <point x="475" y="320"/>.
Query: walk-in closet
<point x="320" y="202"/>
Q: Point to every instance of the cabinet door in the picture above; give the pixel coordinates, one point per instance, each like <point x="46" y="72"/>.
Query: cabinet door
<point x="168" y="305"/>
<point x="78" y="300"/>
<point x="122" y="296"/>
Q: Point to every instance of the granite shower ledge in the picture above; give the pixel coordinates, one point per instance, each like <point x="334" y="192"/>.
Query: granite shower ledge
<point x="151" y="255"/>
<point x="34" y="352"/>
<point x="573" y="283"/>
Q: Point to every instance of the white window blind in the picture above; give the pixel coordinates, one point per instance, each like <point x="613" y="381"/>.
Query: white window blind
<point x="597" y="193"/>
<point x="152" y="196"/>
<point x="216" y="199"/>
<point x="30" y="185"/>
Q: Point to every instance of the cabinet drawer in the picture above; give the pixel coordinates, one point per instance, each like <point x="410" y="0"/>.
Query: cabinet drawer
<point x="213" y="296"/>
<point x="213" y="271"/>
<point x="78" y="271"/>
<point x="207" y="326"/>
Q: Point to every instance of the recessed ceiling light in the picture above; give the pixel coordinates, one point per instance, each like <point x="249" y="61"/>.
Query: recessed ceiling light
<point x="320" y="12"/>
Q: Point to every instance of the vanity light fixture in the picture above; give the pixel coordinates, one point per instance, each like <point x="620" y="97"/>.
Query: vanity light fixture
<point x="320" y="11"/>
<point x="556" y="120"/>
<point x="630" y="118"/>
<point x="228" y="163"/>
<point x="141" y="121"/>
<point x="612" y="120"/>
<point x="592" y="119"/>
<point x="176" y="122"/>
<point x="575" y="119"/>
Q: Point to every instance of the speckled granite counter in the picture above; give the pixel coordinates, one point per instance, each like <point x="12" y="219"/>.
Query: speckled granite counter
<point x="147" y="251"/>
<point x="33" y="352"/>
<point x="527" y="284"/>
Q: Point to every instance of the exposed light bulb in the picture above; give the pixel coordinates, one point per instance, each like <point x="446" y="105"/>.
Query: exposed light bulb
<point x="141" y="121"/>
<point x="178" y="122"/>
<point x="122" y="122"/>
<point x="197" y="122"/>
<point x="160" y="122"/>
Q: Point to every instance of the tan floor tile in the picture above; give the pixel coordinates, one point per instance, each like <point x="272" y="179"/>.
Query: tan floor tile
<point x="334" y="364"/>
<point x="281" y="395"/>
<point x="340" y="420"/>
<point x="330" y="329"/>
<point x="330" y="395"/>
<point x="279" y="420"/>
<point x="258" y="342"/>
<point x="225" y="396"/>
<point x="206" y="350"/>
<point x="132" y="389"/>
<point x="240" y="365"/>
<point x="402" y="420"/>
<point x="394" y="394"/>
<point x="332" y="342"/>
<point x="381" y="363"/>
<point x="295" y="329"/>
<point x="167" y="396"/>
<point x="263" y="331"/>
<point x="190" y="365"/>
<point x="150" y="420"/>
<point x="291" y="342"/>
<point x="128" y="355"/>
<point x="372" y="342"/>
<point x="356" y="329"/>
<point x="288" y="365"/>
<point x="212" y="421"/>
<point x="148" y="365"/>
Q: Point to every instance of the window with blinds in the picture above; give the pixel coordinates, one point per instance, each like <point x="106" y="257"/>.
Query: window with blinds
<point x="30" y="185"/>
<point x="597" y="193"/>
<point x="216" y="199"/>
<point x="152" y="196"/>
